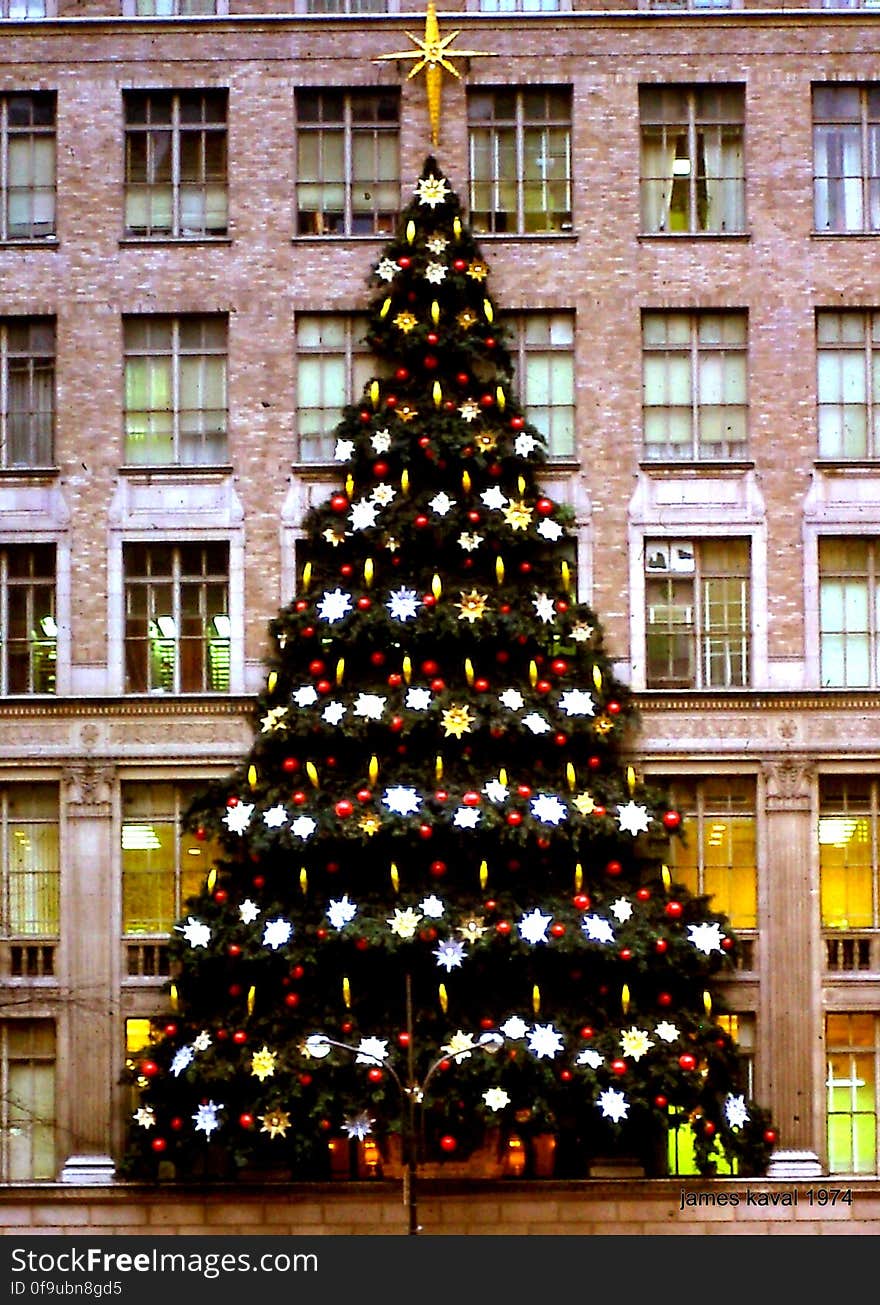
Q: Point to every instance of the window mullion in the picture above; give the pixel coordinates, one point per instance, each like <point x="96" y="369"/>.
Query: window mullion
<point x="519" y="138"/>
<point x="176" y="614"/>
<point x="696" y="434"/>
<point x="865" y="161"/>
<point x="700" y="677"/>
<point x="175" y="389"/>
<point x="4" y="168"/>
<point x="4" y="625"/>
<point x="869" y="387"/>
<point x="692" y="160"/>
<point x="4" y="396"/>
<point x="347" y="165"/>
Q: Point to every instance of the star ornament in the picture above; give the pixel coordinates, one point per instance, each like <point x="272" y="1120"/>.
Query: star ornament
<point x="496" y="1098"/>
<point x="275" y="1123"/>
<point x="735" y="1111"/>
<point x="472" y="606"/>
<point x="369" y="705"/>
<point x="248" y="911"/>
<point x="205" y="1118"/>
<point x="633" y="818"/>
<point x="517" y="514"/>
<point x="457" y="721"/>
<point x="386" y="269"/>
<point x="706" y="938"/>
<point x="404" y="923"/>
<point x="533" y="926"/>
<point x="577" y="702"/>
<point x="273" y="718"/>
<point x="277" y="933"/>
<point x="544" y="1041"/>
<point x="182" y="1058"/>
<point x="548" y="808"/>
<point x="144" y="1117"/>
<point x="544" y="607"/>
<point x="238" y="818"/>
<point x="403" y="604"/>
<point x="460" y="1045"/>
<point x="195" y="932"/>
<point x="359" y="1125"/>
<point x="405" y="322"/>
<point x="401" y="800"/>
<point x="333" y="606"/>
<point x="371" y="1051"/>
<point x="341" y="912"/>
<point x="613" y="1105"/>
<point x="450" y="954"/>
<point x="431" y="190"/>
<point x="635" y="1043"/>
<point x="263" y="1063"/>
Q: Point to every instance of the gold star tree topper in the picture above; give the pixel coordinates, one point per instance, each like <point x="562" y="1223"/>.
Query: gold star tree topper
<point x="432" y="54"/>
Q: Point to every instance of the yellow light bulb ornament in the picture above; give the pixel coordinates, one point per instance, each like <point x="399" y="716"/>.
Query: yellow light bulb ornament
<point x="469" y="670"/>
<point x="307" y="577"/>
<point x="565" y="570"/>
<point x="500" y="398"/>
<point x="631" y="780"/>
<point x="502" y="776"/>
<point x="251" y="999"/>
<point x="435" y="312"/>
<point x="438" y="767"/>
<point x="385" y="309"/>
<point x="533" y="673"/>
<point x="456" y="228"/>
<point x="373" y="768"/>
<point x="368" y="572"/>
<point x="212" y="878"/>
<point x="624" y="998"/>
<point x="571" y="777"/>
<point x="444" y="998"/>
<point x="374" y="393"/>
<point x="410" y="231"/>
<point x="437" y="393"/>
<point x="303" y="879"/>
<point x="499" y="570"/>
<point x="312" y="772"/>
<point x="484" y="874"/>
<point x="466" y="481"/>
<point x="536" y="999"/>
<point x="349" y="485"/>
<point x="407" y="668"/>
<point x="346" y="991"/>
<point x="521" y="484"/>
<point x="597" y="677"/>
<point x="666" y="877"/>
<point x="707" y="1002"/>
<point x="404" y="481"/>
<point x="395" y="877"/>
<point x="172" y="993"/>
<point x="489" y="311"/>
<point x="340" y="670"/>
<point x="578" y="877"/>
<point x="436" y="586"/>
<point x="252" y="776"/>
<point x="272" y="681"/>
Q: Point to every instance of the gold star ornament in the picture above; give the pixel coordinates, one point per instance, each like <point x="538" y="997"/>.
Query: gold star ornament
<point x="457" y="721"/>
<point x="432" y="56"/>
<point x="275" y="1123"/>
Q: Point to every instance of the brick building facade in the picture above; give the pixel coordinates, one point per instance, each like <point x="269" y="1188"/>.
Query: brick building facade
<point x="679" y="205"/>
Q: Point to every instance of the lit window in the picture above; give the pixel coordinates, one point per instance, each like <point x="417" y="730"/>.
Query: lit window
<point x="518" y="6"/>
<point x="849" y="866"/>
<point x="333" y="365"/>
<point x="695" y="403"/>
<point x="161" y="865"/>
<point x="520" y="160"/>
<point x="27" y="1102"/>
<point x="175" y="390"/>
<point x="718" y="855"/>
<point x="28" y="633"/>
<point x="692" y="171"/>
<point x="177" y="629"/>
<point x="542" y="346"/>
<point x="348" y="167"/>
<point x="846" y="157"/>
<point x="697" y="607"/>
<point x="26" y="9"/>
<point x="27" y="392"/>
<point x="173" y="8"/>
<point x="347" y="6"/>
<point x="852" y="1045"/>
<point x="27" y="162"/>
<point x="29" y="855"/>
<point x="175" y="163"/>
<point x="848" y="372"/>
<point x="849" y="598"/>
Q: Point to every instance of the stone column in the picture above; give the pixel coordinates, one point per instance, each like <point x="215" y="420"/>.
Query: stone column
<point x="789" y="950"/>
<point x="90" y="938"/>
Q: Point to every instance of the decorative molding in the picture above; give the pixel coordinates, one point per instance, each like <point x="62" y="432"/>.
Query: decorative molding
<point x="789" y="783"/>
<point x="89" y="791"/>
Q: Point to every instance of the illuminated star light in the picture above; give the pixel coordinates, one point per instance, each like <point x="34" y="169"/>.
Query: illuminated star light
<point x="470" y="411"/>
<point x="496" y="1098"/>
<point x="275" y="817"/>
<point x="549" y="530"/>
<point x="386" y="269"/>
<point x="404" y="604"/>
<point x="435" y="273"/>
<point x="496" y="791"/>
<point x="248" y="911"/>
<point x="512" y="699"/>
<point x="263" y="1063"/>
<point x="450" y="954"/>
<point x="545" y="1041"/>
<point x="195" y="932"/>
<point x="333" y="713"/>
<point x="613" y="1105"/>
<point x="371" y="1051"/>
<point x="363" y="514"/>
<point x="460" y="1045"/>
<point x="524" y="444"/>
<point x="369" y="705"/>
<point x="735" y="1111"/>
<point x="635" y="1043"/>
<point x="404" y="923"/>
<point x="401" y="800"/>
<point x="597" y="929"/>
<point x="275" y="1123"/>
<point x="466" y="818"/>
<point x="432" y="907"/>
<point x="544" y="607"/>
<point x="359" y="1125"/>
<point x="205" y="1118"/>
<point x="307" y="696"/>
<point x="277" y="933"/>
<point x="341" y="912"/>
<point x="536" y="723"/>
<point x="442" y="504"/>
<point x="303" y="827"/>
<point x="185" y="1056"/>
<point x="382" y="494"/>
<point x="494" y="499"/>
<point x="273" y="718"/>
<point x="548" y="808"/>
<point x="344" y="450"/>
<point x="515" y="1028"/>
<point x="381" y="441"/>
<point x="238" y="817"/>
<point x="145" y="1116"/>
<point x="706" y="937"/>
<point x="633" y="819"/>
<point x="589" y="1057"/>
<point x="334" y="606"/>
<point x="533" y="926"/>
<point x="577" y="702"/>
<point x="470" y="542"/>
<point x="457" y="720"/>
<point x="418" y="699"/>
<point x="668" y="1032"/>
<point x="621" y="910"/>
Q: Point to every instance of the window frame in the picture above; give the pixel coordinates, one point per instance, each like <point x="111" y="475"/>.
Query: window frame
<point x="138" y="819"/>
<point x="691" y="795"/>
<point x="176" y="355"/>
<point x="696" y="628"/>
<point x="494" y="124"/>
<point x="703" y="357"/>
<point x="45" y="883"/>
<point x="854" y="1051"/>
<point x="138" y="649"/>
<point x="358" y="364"/>
<point x="869" y="347"/>
<point x="849" y="806"/>
<point x="352" y="132"/>
<point x="34" y="132"/>
<point x="175" y="133"/>
<point x="871" y="633"/>
<point x="869" y="185"/>
<point x="28" y="583"/>
<point x="38" y="440"/>
<point x="7" y="1126"/>
<point x="523" y="351"/>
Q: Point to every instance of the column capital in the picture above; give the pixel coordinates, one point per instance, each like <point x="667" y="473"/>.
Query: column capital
<point x="89" y="789"/>
<point x="789" y="782"/>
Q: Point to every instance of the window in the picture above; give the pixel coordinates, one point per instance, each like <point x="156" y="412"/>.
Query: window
<point x="694" y="4"/>
<point x="849" y="861"/>
<point x="848" y="384"/>
<point x="681" y="1149"/>
<point x="849" y="601"/>
<point x="27" y="392"/>
<point x="333" y="366"/>
<point x="347" y="6"/>
<point x="693" y="176"/>
<point x="542" y="347"/>
<point x="175" y="390"/>
<point x="697" y="599"/>
<point x="846" y="157"/>
<point x="520" y="160"/>
<point x="29" y="855"/>
<point x="718" y="854"/>
<point x="852" y="1044"/>
<point x="161" y="865"/>
<point x="348" y="166"/>
<point x="174" y="8"/>
<point x="27" y="163"/>
<point x="518" y="6"/>
<point x="176" y="618"/>
<point x="28" y="633"/>
<point x="25" y="9"/>
<point x="695" y="401"/>
<point x="175" y="163"/>
<point x="27" y="1101"/>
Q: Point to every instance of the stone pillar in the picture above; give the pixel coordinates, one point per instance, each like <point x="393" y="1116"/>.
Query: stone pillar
<point x="790" y="976"/>
<point x="90" y="939"/>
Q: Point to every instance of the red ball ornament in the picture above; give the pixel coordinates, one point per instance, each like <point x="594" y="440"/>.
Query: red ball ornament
<point x="503" y="927"/>
<point x="543" y="843"/>
<point x="298" y="798"/>
<point x="523" y="790"/>
<point x="625" y="954"/>
<point x="587" y="1032"/>
<point x="395" y="679"/>
<point x="176" y="1123"/>
<point x="490" y="341"/>
<point x="324" y="687"/>
<point x="664" y="999"/>
<point x="301" y="605"/>
<point x="618" y="1066"/>
<point x="308" y="632"/>
<point x="159" y="1144"/>
<point x="709" y="1128"/>
<point x="660" y="1101"/>
<point x="339" y="503"/>
<point x="671" y="819"/>
<point x="614" y="868"/>
<point x="770" y="1135"/>
<point x="259" y="881"/>
<point x="581" y="901"/>
<point x="566" y="1075"/>
<point x="424" y="441"/>
<point x="514" y="817"/>
<point x="544" y="507"/>
<point x="344" y="807"/>
<point x="232" y="801"/>
<point x="561" y="605"/>
<point x="290" y="764"/>
<point x="347" y="570"/>
<point x="560" y="740"/>
<point x="449" y="405"/>
<point x="239" y="1037"/>
<point x="471" y="799"/>
<point x="441" y="795"/>
<point x="377" y="658"/>
<point x="364" y="795"/>
<point x="149" y="1068"/>
<point x="221" y="895"/>
<point x="448" y="1143"/>
<point x="201" y="834"/>
<point x="643" y="894"/>
<point x="727" y="944"/>
<point x="613" y="708"/>
<point x="557" y="929"/>
<point x="517" y="423"/>
<point x="543" y="686"/>
<point x="438" y="869"/>
<point x="396" y="724"/>
<point x="362" y="944"/>
<point x="459" y="265"/>
<point x="233" y="950"/>
<point x="687" y="1061"/>
<point x="375" y="1075"/>
<point x="170" y="1030"/>
<point x="346" y="1026"/>
<point x="364" y="603"/>
<point x="380" y="469"/>
<point x="462" y="378"/>
<point x="481" y="686"/>
<point x="432" y="337"/>
<point x="598" y="811"/>
<point x="404" y="261"/>
<point x="305" y="1079"/>
<point x="421" y="521"/>
<point x="425" y="832"/>
<point x="559" y="666"/>
<point x="674" y="910"/>
<point x="246" y="1119"/>
<point x="504" y="609"/>
<point x="438" y="685"/>
<point x="661" y="946"/>
<point x="403" y="1038"/>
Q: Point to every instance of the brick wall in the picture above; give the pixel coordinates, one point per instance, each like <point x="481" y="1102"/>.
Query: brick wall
<point x="447" y="1208"/>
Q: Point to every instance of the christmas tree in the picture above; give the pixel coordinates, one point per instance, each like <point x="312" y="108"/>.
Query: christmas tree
<point x="439" y="888"/>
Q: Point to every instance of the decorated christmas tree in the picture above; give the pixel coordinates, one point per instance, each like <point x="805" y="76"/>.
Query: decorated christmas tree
<point x="441" y="899"/>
